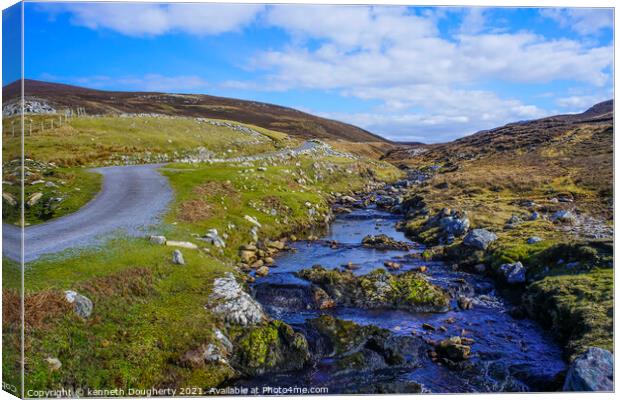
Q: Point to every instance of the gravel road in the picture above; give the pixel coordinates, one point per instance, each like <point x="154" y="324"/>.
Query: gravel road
<point x="132" y="198"/>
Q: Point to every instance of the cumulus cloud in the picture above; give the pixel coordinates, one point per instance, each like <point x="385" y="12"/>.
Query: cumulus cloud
<point x="145" y="19"/>
<point x="585" y="21"/>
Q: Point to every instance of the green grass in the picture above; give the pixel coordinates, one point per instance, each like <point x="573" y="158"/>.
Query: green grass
<point x="94" y="140"/>
<point x="76" y="186"/>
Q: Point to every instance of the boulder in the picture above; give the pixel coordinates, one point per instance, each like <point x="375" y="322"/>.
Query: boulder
<point x="177" y="258"/>
<point x="455" y="224"/>
<point x="262" y="271"/>
<point x="564" y="216"/>
<point x="233" y="304"/>
<point x="479" y="238"/>
<point x="465" y="303"/>
<point x="513" y="273"/>
<point x="157" y="239"/>
<point x="592" y="371"/>
<point x="322" y="299"/>
<point x="82" y="305"/>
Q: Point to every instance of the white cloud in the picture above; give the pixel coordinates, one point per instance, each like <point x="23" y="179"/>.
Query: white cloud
<point x="585" y="21"/>
<point x="474" y="21"/>
<point x="144" y="19"/>
<point x="147" y="82"/>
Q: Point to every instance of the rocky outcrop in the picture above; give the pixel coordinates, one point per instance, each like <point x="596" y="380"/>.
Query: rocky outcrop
<point x="409" y="291"/>
<point x="592" y="371"/>
<point x="233" y="304"/>
<point x="384" y="242"/>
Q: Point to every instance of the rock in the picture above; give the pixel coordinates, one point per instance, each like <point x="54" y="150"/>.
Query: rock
<point x="348" y="199"/>
<point x="564" y="216"/>
<point x="408" y="291"/>
<point x="514" y="220"/>
<point x="34" y="199"/>
<point x="53" y="363"/>
<point x="592" y="371"/>
<point x="214" y="238"/>
<point x="253" y="221"/>
<point x="533" y="240"/>
<point x="233" y="304"/>
<point x="257" y="264"/>
<point x="269" y="348"/>
<point x="177" y="257"/>
<point x="453" y="349"/>
<point x="384" y="242"/>
<point x="185" y="245"/>
<point x="82" y="305"/>
<point x="465" y="303"/>
<point x="9" y="199"/>
<point x="479" y="238"/>
<point x="422" y="268"/>
<point x="513" y="273"/>
<point x="455" y="223"/>
<point x="262" y="271"/>
<point x="428" y="327"/>
<point x="247" y="256"/>
<point x="37" y="182"/>
<point x="275" y="244"/>
<point x="51" y="185"/>
<point x="157" y="239"/>
<point x="534" y="216"/>
<point x="392" y="265"/>
<point x="350" y="266"/>
<point x="322" y="299"/>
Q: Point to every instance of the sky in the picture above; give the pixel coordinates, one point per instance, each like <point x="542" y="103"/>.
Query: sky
<point x="429" y="74"/>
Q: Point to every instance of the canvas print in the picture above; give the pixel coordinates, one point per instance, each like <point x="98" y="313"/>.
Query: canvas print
<point x="251" y="199"/>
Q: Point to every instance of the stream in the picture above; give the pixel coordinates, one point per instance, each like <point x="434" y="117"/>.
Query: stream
<point x="508" y="354"/>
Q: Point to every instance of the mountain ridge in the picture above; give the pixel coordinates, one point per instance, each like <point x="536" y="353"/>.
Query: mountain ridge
<point x="270" y="116"/>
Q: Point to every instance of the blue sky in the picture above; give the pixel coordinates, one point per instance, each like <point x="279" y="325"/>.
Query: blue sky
<point x="427" y="74"/>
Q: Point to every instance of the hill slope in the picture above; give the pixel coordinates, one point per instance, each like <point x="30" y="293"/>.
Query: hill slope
<point x="268" y="116"/>
<point x="544" y="189"/>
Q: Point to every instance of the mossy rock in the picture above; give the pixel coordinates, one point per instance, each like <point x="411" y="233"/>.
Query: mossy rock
<point x="578" y="309"/>
<point x="272" y="347"/>
<point x="409" y="291"/>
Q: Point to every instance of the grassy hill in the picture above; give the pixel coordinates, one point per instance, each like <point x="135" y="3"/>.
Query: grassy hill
<point x="513" y="181"/>
<point x="269" y="116"/>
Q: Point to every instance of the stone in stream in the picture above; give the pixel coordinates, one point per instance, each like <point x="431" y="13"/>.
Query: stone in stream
<point x="479" y="238"/>
<point x="82" y="305"/>
<point x="591" y="371"/>
<point x="322" y="299"/>
<point x="177" y="258"/>
<point x="453" y="349"/>
<point x="384" y="242"/>
<point x="409" y="291"/>
<point x="465" y="303"/>
<point x="262" y="271"/>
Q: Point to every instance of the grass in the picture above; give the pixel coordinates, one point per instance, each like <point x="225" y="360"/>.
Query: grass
<point x="75" y="186"/>
<point x="95" y="140"/>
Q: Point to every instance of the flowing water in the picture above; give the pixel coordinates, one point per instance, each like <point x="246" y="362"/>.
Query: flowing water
<point x="508" y="354"/>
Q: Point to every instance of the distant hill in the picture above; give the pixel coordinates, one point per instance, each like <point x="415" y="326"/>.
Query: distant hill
<point x="278" y="118"/>
<point x="522" y="136"/>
